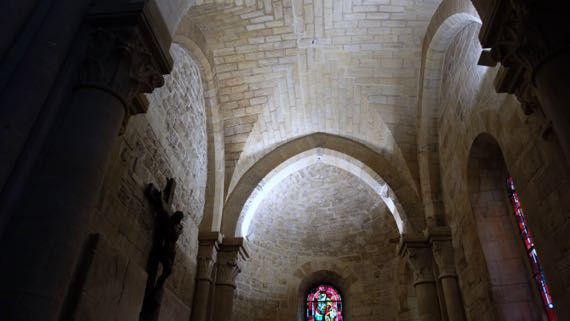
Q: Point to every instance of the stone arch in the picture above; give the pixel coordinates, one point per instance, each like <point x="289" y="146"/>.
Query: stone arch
<point x="403" y="189"/>
<point x="513" y="291"/>
<point x="325" y="156"/>
<point x="191" y="38"/>
<point x="449" y="19"/>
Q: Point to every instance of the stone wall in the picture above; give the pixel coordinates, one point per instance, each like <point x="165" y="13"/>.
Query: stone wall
<point x="471" y="107"/>
<point x="168" y="141"/>
<point x="319" y="219"/>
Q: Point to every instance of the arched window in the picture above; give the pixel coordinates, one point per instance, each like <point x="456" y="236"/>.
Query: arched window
<point x="324" y="303"/>
<point x="526" y="236"/>
<point x="514" y="294"/>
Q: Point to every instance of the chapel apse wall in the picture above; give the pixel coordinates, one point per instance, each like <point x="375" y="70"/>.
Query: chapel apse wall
<point x="168" y="141"/>
<point x="320" y="217"/>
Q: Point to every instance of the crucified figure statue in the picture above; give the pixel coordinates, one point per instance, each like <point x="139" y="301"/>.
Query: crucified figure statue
<point x="167" y="231"/>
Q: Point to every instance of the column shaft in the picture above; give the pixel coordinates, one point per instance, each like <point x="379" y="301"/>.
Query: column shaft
<point x="452" y="299"/>
<point x="207" y="257"/>
<point x="428" y="304"/>
<point x="44" y="241"/>
<point x="224" y="303"/>
<point x="231" y="257"/>
<point x="42" y="245"/>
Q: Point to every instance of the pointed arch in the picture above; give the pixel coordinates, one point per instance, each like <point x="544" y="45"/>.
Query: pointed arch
<point x="403" y="188"/>
<point x="310" y="157"/>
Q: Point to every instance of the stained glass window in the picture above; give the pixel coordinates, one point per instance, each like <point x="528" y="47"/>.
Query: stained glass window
<point x="324" y="304"/>
<point x="526" y="236"/>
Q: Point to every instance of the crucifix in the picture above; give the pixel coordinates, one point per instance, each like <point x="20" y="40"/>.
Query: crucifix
<point x="168" y="227"/>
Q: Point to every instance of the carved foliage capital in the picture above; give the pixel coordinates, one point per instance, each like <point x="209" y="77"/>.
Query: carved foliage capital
<point x="443" y="256"/>
<point x="207" y="256"/>
<point x="205" y="268"/>
<point x="119" y="61"/>
<point x="228" y="270"/>
<point x="420" y="262"/>
<point x="522" y="35"/>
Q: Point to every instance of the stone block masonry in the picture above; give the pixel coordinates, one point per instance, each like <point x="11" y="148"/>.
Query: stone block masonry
<point x="168" y="141"/>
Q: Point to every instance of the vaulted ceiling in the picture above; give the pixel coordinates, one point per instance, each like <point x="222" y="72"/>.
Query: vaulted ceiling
<point x="284" y="69"/>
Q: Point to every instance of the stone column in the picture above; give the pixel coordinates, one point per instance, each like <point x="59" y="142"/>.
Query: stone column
<point x="209" y="245"/>
<point x="231" y="257"/>
<point x="442" y="251"/>
<point x="530" y="39"/>
<point x="41" y="247"/>
<point x="418" y="256"/>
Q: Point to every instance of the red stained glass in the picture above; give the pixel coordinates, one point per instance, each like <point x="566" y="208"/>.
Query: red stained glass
<point x="532" y="254"/>
<point x="324" y="304"/>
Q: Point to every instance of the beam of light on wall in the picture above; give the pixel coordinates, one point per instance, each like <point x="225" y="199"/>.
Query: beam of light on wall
<point x="306" y="159"/>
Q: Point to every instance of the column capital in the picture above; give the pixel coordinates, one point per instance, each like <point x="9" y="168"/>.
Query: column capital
<point x="443" y="256"/>
<point x="127" y="52"/>
<point x="522" y="36"/>
<point x="231" y="257"/>
<point x="208" y="247"/>
<point x="439" y="239"/>
<point x="414" y="248"/>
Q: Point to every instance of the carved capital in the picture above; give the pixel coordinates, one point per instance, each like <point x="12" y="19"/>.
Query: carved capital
<point x="125" y="53"/>
<point x="443" y="256"/>
<point x="209" y="245"/>
<point x="522" y="32"/>
<point x="228" y="270"/>
<point x="118" y="61"/>
<point x="415" y="250"/>
<point x="439" y="238"/>
<point x="420" y="262"/>
<point x="522" y="35"/>
<point x="231" y="256"/>
<point x="205" y="268"/>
